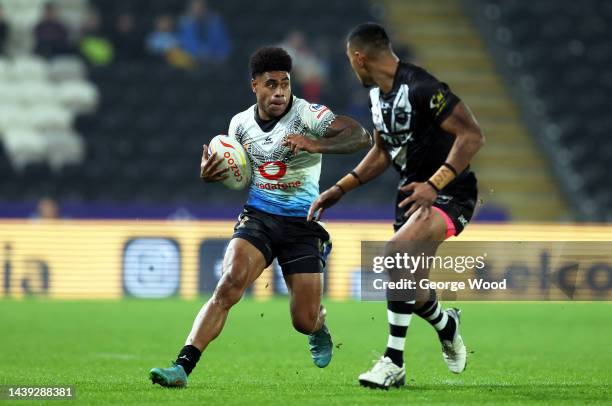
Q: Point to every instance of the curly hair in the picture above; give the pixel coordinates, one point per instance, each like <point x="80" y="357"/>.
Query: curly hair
<point x="269" y="59"/>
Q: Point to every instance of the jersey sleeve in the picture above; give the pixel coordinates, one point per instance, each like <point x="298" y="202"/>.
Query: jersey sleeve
<point x="231" y="132"/>
<point x="236" y="128"/>
<point x="434" y="98"/>
<point x="316" y="117"/>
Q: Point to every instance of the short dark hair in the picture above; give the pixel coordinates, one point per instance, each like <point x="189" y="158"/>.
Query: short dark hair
<point x="268" y="59"/>
<point x="369" y="35"/>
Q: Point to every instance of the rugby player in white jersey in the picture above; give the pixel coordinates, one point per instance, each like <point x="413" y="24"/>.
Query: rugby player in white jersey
<point x="284" y="137"/>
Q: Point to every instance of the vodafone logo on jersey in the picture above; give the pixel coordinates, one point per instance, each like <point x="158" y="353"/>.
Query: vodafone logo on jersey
<point x="273" y="170"/>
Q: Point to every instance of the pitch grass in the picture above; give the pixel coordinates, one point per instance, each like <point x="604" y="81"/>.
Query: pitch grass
<point x="519" y="353"/>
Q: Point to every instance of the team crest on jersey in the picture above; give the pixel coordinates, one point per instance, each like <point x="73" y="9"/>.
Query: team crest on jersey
<point x="438" y="102"/>
<point x="316" y="107"/>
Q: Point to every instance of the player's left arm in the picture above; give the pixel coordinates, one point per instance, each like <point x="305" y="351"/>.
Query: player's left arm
<point x="330" y="134"/>
<point x="437" y="103"/>
<point x="344" y="136"/>
<point x="468" y="140"/>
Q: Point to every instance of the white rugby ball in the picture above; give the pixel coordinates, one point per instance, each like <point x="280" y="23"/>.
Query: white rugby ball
<point x="235" y="158"/>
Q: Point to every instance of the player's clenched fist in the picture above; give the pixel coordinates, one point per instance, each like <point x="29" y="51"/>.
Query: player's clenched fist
<point x="298" y="142"/>
<point x="209" y="167"/>
<point x="325" y="200"/>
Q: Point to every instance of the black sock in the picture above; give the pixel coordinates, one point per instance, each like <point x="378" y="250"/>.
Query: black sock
<point x="188" y="358"/>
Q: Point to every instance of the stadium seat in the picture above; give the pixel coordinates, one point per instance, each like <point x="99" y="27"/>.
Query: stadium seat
<point x="63" y="148"/>
<point x="29" y="68"/>
<point x="24" y="146"/>
<point x="50" y="117"/>
<point x="14" y="117"/>
<point x="67" y="67"/>
<point x="11" y="94"/>
<point x="4" y="70"/>
<point x="78" y="95"/>
<point x="38" y="92"/>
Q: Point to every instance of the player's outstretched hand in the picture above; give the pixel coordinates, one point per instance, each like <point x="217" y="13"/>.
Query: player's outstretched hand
<point x="423" y="196"/>
<point x="209" y="168"/>
<point x="298" y="142"/>
<point x="326" y="199"/>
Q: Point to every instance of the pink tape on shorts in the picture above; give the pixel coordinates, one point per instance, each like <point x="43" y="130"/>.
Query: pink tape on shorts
<point x="450" y="227"/>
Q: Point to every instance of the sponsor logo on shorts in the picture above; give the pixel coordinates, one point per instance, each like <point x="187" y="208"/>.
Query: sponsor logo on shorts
<point x="462" y="220"/>
<point x="443" y="199"/>
<point x="243" y="221"/>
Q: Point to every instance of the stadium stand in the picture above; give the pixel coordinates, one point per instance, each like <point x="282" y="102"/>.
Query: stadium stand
<point x="556" y="54"/>
<point x="143" y="141"/>
<point x="39" y="100"/>
<point x="132" y="130"/>
<point x="512" y="173"/>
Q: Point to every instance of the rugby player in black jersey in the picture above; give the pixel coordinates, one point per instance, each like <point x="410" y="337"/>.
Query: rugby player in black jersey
<point x="429" y="136"/>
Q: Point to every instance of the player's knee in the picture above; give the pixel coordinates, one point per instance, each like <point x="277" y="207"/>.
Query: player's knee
<point x="305" y="322"/>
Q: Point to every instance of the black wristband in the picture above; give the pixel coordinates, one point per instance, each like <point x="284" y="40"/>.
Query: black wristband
<point x="356" y="176"/>
<point x="451" y="167"/>
<point x="430" y="183"/>
<point x="341" y="188"/>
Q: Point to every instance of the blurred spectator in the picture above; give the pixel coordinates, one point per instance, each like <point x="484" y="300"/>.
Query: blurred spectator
<point x="51" y="35"/>
<point x="163" y="38"/>
<point x="4" y="32"/>
<point x="203" y="35"/>
<point x="310" y="72"/>
<point x="94" y="46"/>
<point x="127" y="40"/>
<point x="163" y="42"/>
<point x="47" y="209"/>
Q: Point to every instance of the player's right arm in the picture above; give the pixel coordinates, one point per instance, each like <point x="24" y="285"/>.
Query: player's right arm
<point x="371" y="166"/>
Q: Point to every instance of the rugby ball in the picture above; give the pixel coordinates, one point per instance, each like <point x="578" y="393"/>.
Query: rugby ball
<point x="235" y="158"/>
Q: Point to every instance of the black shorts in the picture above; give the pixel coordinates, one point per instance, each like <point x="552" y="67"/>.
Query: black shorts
<point x="300" y="246"/>
<point x="458" y="203"/>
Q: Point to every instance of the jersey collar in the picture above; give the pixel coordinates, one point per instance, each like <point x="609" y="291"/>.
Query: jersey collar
<point x="268" y="125"/>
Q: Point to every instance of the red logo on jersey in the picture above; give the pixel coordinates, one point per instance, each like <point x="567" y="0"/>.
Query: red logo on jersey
<point x="267" y="170"/>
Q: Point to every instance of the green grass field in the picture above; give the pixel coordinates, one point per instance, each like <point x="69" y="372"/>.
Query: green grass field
<point x="519" y="353"/>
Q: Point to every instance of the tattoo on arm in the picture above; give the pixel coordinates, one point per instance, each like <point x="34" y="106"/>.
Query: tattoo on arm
<point x="344" y="136"/>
